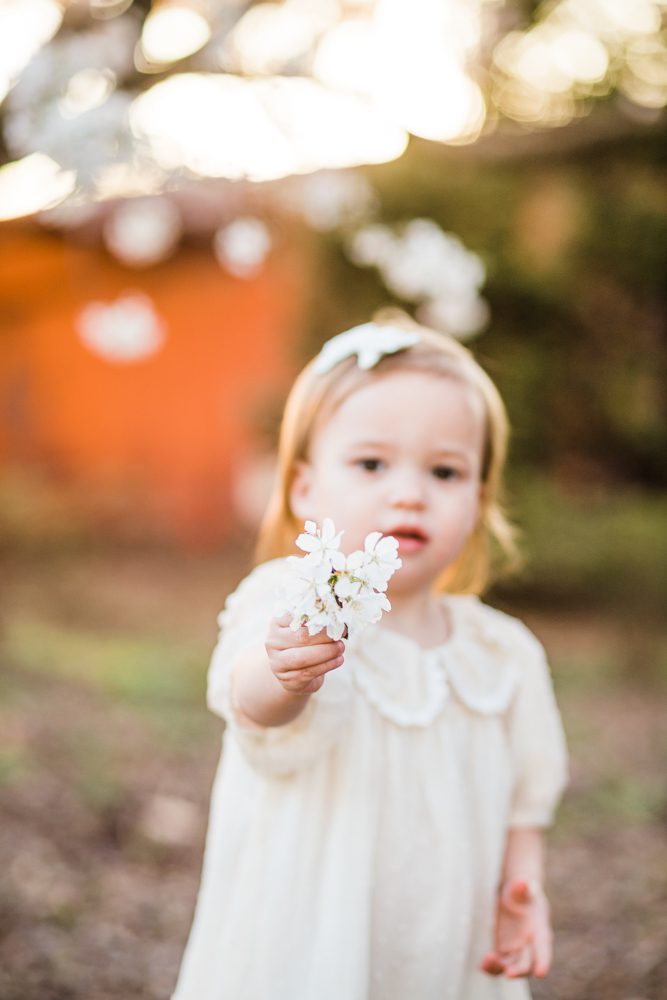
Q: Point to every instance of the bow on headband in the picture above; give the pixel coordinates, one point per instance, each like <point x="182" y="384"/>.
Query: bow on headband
<point x="370" y="342"/>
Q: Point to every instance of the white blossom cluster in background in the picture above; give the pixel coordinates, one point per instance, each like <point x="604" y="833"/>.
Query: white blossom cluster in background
<point x="68" y="102"/>
<point x="424" y="264"/>
<point x="327" y="590"/>
<point x="124" y="331"/>
<point x="143" y="231"/>
<point x="330" y="199"/>
<point x="242" y="246"/>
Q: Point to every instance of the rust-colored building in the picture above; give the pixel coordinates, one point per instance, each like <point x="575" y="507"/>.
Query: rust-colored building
<point x="156" y="438"/>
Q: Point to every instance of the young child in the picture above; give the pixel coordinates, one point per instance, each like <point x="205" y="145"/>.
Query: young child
<point x="376" y="820"/>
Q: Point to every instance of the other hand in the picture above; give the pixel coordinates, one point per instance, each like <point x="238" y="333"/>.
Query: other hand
<point x="299" y="660"/>
<point x="523" y="936"/>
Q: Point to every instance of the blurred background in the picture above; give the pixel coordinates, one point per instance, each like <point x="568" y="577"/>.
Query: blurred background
<point x="194" y="195"/>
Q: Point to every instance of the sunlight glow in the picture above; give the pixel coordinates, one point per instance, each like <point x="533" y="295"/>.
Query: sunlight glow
<point x="343" y="58"/>
<point x="440" y="103"/>
<point x="432" y="95"/>
<point x="262" y="129"/>
<point x="106" y="9"/>
<point x="34" y="183"/>
<point x="25" y="25"/>
<point x="270" y="34"/>
<point x="298" y="86"/>
<point x="647" y="61"/>
<point x="172" y="33"/>
<point x="581" y="48"/>
<point x="579" y="55"/>
<point x="128" y="180"/>
<point x="87" y="89"/>
<point x="636" y="17"/>
<point x="645" y="78"/>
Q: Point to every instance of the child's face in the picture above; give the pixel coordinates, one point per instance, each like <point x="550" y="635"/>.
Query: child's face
<point x="401" y="455"/>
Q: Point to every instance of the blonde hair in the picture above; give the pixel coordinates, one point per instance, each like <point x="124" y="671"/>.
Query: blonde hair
<point x="314" y="397"/>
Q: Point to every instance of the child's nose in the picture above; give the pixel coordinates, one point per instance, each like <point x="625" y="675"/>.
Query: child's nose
<point x="407" y="490"/>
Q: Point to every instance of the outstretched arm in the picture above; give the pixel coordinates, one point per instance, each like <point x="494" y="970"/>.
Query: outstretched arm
<point x="275" y="677"/>
<point x="523" y="935"/>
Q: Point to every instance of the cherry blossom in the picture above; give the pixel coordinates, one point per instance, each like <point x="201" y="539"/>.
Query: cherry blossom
<point x="322" y="546"/>
<point x="326" y="590"/>
<point x="377" y="562"/>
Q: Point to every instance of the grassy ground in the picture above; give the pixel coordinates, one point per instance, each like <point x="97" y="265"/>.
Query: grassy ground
<point x="107" y="756"/>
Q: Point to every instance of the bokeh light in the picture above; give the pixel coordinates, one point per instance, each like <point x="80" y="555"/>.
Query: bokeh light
<point x="32" y="184"/>
<point x="269" y="35"/>
<point x="143" y="231"/>
<point x="87" y="89"/>
<point x="432" y="95"/>
<point x="546" y="74"/>
<point x="124" y="331"/>
<point x="260" y="129"/>
<point x="25" y="25"/>
<point x="242" y="246"/>
<point x="173" y="32"/>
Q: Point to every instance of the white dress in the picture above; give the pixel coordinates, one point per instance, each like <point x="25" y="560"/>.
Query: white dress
<point x="354" y="853"/>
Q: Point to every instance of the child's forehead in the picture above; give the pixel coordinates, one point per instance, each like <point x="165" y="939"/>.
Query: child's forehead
<point x="388" y="401"/>
<point x="411" y="390"/>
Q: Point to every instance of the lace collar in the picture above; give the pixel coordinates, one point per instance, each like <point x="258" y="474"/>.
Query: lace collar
<point x="410" y="685"/>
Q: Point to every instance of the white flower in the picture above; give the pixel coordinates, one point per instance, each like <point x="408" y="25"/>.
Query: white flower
<point x="324" y="590"/>
<point x="376" y="564"/>
<point x="364" y="609"/>
<point x="322" y="546"/>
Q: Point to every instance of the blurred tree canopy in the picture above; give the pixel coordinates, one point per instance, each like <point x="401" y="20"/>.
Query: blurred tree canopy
<point x="575" y="246"/>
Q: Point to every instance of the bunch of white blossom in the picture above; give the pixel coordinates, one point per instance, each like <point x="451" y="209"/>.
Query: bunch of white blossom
<point x="327" y="590"/>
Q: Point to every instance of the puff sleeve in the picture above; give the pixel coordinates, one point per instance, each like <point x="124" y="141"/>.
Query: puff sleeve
<point x="275" y="750"/>
<point x="536" y="737"/>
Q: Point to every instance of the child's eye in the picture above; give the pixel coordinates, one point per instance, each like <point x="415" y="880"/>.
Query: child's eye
<point x="445" y="472"/>
<point x="370" y="464"/>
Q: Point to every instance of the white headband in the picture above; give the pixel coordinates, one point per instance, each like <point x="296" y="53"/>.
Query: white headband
<point x="369" y="342"/>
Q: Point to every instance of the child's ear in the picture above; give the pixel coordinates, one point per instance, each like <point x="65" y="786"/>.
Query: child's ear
<point x="301" y="491"/>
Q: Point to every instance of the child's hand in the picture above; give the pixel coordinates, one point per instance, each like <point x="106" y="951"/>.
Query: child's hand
<point x="299" y="660"/>
<point x="523" y="936"/>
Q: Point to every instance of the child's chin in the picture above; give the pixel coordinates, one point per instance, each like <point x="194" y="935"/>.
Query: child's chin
<point x="407" y="580"/>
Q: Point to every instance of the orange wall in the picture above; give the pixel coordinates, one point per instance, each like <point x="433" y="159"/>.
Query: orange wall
<point x="168" y="429"/>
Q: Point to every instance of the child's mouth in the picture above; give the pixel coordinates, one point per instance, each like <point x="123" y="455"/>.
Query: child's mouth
<point x="410" y="539"/>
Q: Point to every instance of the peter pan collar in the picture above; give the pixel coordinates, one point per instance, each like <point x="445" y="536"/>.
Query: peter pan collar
<point x="410" y="685"/>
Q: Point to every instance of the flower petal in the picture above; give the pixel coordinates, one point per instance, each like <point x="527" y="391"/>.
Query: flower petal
<point x="328" y="529"/>
<point x="372" y="540"/>
<point x="307" y="543"/>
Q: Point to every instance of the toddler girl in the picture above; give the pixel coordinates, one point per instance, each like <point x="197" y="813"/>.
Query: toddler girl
<point x="376" y="820"/>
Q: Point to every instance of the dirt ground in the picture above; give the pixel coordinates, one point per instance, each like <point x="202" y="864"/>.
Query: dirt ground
<point x="107" y="755"/>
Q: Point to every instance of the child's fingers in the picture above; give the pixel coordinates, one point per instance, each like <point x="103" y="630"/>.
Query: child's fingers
<point x="493" y="964"/>
<point x="520" y="963"/>
<point x="313" y="686"/>
<point x="284" y="636"/>
<point x="543" y="945"/>
<point x="301" y="679"/>
<point x="310" y="657"/>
